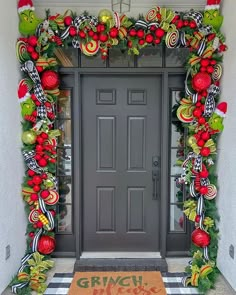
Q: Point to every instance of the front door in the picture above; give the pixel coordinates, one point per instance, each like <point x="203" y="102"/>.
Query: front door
<point x="121" y="151"/>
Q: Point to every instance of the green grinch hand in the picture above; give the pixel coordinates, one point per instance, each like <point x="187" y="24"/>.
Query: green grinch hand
<point x="28" y="19"/>
<point x="216" y="120"/>
<point x="212" y="15"/>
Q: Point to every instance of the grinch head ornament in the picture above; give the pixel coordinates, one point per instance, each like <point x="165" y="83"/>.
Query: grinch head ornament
<point x="212" y="14"/>
<point x="216" y="120"/>
<point x="28" y="19"/>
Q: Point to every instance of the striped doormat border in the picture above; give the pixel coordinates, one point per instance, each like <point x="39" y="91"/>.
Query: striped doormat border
<point x="60" y="284"/>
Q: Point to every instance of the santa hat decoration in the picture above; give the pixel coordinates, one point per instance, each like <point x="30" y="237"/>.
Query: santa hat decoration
<point x="23" y="90"/>
<point x="212" y="4"/>
<point x="25" y="5"/>
<point x="221" y="109"/>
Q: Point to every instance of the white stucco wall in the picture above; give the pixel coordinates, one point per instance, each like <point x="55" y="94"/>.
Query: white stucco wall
<point x="227" y="154"/>
<point x="12" y="217"/>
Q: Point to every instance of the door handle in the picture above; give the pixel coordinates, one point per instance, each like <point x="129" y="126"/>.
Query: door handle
<point x="155" y="177"/>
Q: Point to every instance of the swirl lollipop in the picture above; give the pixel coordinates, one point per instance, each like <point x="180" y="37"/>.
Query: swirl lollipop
<point x="90" y="48"/>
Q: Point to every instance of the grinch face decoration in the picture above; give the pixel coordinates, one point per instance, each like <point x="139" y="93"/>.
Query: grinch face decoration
<point x="28" y="19"/>
<point x="212" y="14"/>
<point x="216" y="120"/>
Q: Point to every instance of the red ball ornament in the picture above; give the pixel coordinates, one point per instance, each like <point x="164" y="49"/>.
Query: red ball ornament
<point x="39" y="224"/>
<point x="68" y="20"/>
<point x="200" y="142"/>
<point x="132" y="33"/>
<point x="42" y="162"/>
<point x="130" y="44"/>
<point x="205" y="151"/>
<point x="36" y="188"/>
<point x="201" y="120"/>
<point x="180" y="24"/>
<point x="46" y="245"/>
<point x="197" y="218"/>
<point x="200" y="238"/>
<point x="103" y="38"/>
<point x="141" y="41"/>
<point x="205" y="135"/>
<point x="204" y="174"/>
<point x="33" y="40"/>
<point x="31" y="173"/>
<point x="159" y="32"/>
<point x="34" y="197"/>
<point x="30" y="182"/>
<point x="197" y="112"/>
<point x="205" y="62"/>
<point x="82" y="34"/>
<point x="72" y="31"/>
<point x="37" y="179"/>
<point x="140" y="33"/>
<point x="30" y="49"/>
<point x="44" y="194"/>
<point x="34" y="55"/>
<point x="50" y="80"/>
<point x="203" y="190"/>
<point x="201" y="81"/>
<point x="44" y="135"/>
<point x="210" y="69"/>
<point x="149" y="38"/>
<point x="114" y="32"/>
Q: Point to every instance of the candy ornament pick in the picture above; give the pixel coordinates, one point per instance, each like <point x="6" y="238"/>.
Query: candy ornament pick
<point x="28" y="19"/>
<point x="216" y="120"/>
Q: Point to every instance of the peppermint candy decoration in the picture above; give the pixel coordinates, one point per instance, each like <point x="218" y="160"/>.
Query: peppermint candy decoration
<point x="34" y="216"/>
<point x="212" y="192"/>
<point x="152" y="15"/>
<point x="218" y="71"/>
<point x="172" y="39"/>
<point x="90" y="48"/>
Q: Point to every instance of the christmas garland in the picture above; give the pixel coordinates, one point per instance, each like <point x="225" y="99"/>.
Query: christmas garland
<point x="38" y="92"/>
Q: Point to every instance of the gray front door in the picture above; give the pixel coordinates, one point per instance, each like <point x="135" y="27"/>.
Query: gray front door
<point x="121" y="137"/>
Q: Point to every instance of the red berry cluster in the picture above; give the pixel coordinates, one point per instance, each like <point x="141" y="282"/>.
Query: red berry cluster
<point x="45" y="151"/>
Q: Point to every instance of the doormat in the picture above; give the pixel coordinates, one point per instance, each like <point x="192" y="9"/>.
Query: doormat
<point x="117" y="283"/>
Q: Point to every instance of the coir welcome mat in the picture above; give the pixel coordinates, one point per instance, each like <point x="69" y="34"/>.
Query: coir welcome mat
<point x="117" y="283"/>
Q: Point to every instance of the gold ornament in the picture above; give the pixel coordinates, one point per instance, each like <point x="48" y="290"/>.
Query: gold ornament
<point x="105" y="16"/>
<point x="29" y="137"/>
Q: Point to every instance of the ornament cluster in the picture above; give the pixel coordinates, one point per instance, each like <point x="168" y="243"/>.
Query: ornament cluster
<point x="39" y="89"/>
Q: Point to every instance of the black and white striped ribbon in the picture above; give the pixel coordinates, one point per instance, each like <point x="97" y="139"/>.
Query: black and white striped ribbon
<point x="200" y="205"/>
<point x="205" y="253"/>
<point x="202" y="47"/>
<point x="141" y="24"/>
<point x="213" y="91"/>
<point x="93" y="20"/>
<point x="198" y="17"/>
<point x="190" y="156"/>
<point x="194" y="96"/>
<point x="36" y="240"/>
<point x="24" y="264"/>
<point x="192" y="190"/>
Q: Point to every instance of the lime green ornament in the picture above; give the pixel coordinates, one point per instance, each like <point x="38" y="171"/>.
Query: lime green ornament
<point x="28" y="19"/>
<point x="212" y="15"/>
<point x="29" y="137"/>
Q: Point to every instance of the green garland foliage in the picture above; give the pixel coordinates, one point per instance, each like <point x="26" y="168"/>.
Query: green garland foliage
<point x="38" y="48"/>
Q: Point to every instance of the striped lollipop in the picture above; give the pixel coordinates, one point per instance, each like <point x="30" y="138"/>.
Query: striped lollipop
<point x="90" y="48"/>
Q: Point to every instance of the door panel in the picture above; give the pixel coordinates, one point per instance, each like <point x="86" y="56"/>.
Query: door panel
<point x="121" y="134"/>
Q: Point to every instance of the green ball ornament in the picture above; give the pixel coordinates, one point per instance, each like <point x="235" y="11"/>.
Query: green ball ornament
<point x="27" y="107"/>
<point x="48" y="183"/>
<point x="29" y="137"/>
<point x="105" y="16"/>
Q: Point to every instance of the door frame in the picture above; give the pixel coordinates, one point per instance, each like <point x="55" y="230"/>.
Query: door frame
<point x="77" y="145"/>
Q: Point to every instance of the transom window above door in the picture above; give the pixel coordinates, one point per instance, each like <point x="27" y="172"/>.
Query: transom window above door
<point x="150" y="57"/>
